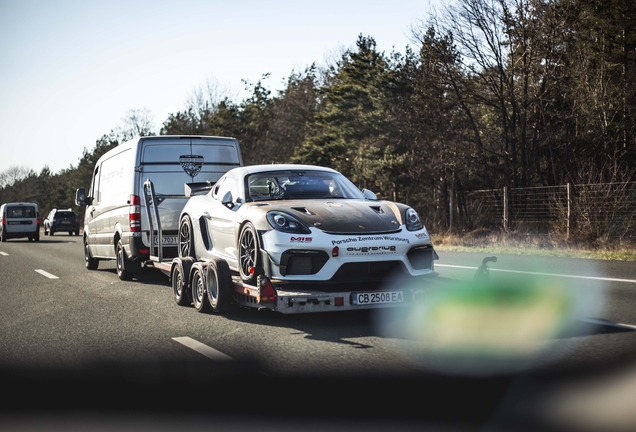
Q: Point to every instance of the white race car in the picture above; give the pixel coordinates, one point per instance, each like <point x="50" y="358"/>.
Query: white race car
<point x="300" y="226"/>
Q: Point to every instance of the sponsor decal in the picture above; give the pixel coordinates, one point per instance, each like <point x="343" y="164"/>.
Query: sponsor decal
<point x="191" y="164"/>
<point x="371" y="250"/>
<point x="301" y="240"/>
<point x="369" y="238"/>
<point x="421" y="236"/>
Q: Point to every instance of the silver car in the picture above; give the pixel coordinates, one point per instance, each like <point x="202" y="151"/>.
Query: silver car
<point x="20" y="220"/>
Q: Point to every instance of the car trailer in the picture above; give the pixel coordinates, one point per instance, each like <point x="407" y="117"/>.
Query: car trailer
<point x="211" y="286"/>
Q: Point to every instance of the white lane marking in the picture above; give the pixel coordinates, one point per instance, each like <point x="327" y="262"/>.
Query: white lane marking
<point x="47" y="274"/>
<point x="210" y="353"/>
<point x="4" y="253"/>
<point x="541" y="274"/>
<point x="608" y="323"/>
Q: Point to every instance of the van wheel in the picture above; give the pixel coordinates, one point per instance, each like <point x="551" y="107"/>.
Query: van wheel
<point x="122" y="260"/>
<point x="186" y="238"/>
<point x="91" y="263"/>
<point x="37" y="236"/>
<point x="180" y="285"/>
<point x="249" y="254"/>
<point x="219" y="284"/>
<point x="199" y="294"/>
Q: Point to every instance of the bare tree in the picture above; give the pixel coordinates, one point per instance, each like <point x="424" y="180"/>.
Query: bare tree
<point x="205" y="99"/>
<point x="14" y="174"/>
<point x="137" y="122"/>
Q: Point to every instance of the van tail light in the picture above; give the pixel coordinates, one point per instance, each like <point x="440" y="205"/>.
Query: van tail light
<point x="134" y="213"/>
<point x="37" y="218"/>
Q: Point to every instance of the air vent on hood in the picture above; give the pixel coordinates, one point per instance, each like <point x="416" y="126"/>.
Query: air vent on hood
<point x="303" y="210"/>
<point x="377" y="209"/>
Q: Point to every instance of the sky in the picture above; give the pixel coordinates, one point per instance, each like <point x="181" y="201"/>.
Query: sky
<point x="71" y="70"/>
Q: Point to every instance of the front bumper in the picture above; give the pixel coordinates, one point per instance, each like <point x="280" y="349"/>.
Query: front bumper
<point x="322" y="257"/>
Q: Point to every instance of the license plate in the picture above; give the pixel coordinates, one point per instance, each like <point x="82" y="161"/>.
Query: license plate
<point x="378" y="297"/>
<point x="66" y="222"/>
<point x="14" y="222"/>
<point x="167" y="240"/>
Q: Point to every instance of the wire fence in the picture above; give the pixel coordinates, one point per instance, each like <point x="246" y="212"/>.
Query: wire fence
<point x="605" y="210"/>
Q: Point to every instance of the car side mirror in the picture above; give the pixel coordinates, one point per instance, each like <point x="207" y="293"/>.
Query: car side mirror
<point x="369" y="195"/>
<point x="227" y="200"/>
<point x="80" y="197"/>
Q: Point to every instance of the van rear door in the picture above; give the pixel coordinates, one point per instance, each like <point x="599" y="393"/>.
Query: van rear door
<point x="21" y="218"/>
<point x="171" y="162"/>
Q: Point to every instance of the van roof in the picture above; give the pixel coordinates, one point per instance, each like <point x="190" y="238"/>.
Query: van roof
<point x="168" y="137"/>
<point x="19" y="203"/>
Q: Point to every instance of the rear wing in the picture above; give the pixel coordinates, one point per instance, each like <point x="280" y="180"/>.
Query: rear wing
<point x="197" y="188"/>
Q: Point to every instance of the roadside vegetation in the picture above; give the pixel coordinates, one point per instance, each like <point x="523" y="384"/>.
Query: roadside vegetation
<point x="491" y="242"/>
<point x="491" y="94"/>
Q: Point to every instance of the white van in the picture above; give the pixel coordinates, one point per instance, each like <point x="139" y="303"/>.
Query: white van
<point x="116" y="222"/>
<point x="19" y="220"/>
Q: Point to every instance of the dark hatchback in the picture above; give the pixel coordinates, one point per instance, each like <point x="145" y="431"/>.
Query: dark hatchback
<point x="64" y="220"/>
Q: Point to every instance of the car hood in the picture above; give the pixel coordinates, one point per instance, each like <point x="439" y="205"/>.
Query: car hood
<point x="344" y="216"/>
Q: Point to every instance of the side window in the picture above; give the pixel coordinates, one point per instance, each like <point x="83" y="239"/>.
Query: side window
<point x="230" y="184"/>
<point x="94" y="191"/>
<point x="217" y="187"/>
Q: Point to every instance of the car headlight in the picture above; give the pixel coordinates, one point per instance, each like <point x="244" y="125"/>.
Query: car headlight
<point x="413" y="222"/>
<point x="286" y="223"/>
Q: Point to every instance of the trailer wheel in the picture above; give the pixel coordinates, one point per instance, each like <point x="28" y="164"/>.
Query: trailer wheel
<point x="219" y="283"/>
<point x="179" y="277"/>
<point x="249" y="253"/>
<point x="199" y="294"/>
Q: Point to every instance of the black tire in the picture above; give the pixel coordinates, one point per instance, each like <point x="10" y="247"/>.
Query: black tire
<point x="249" y="253"/>
<point x="51" y="232"/>
<point x="37" y="236"/>
<point x="186" y="238"/>
<point x="219" y="285"/>
<point x="122" y="261"/>
<point x="90" y="262"/>
<point x="180" y="281"/>
<point x="77" y="232"/>
<point x="199" y="294"/>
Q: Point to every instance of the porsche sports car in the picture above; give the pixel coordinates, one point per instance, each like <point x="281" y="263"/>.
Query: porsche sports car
<point x="300" y="225"/>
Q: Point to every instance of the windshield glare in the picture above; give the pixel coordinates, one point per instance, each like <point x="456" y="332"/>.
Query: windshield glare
<point x="300" y="185"/>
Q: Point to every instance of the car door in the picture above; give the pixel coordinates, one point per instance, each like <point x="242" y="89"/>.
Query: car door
<point x="93" y="211"/>
<point x="221" y="217"/>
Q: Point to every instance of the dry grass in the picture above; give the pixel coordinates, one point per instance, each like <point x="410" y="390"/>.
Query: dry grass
<point x="494" y="242"/>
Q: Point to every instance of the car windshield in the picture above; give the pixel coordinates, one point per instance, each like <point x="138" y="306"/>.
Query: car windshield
<point x="300" y="185"/>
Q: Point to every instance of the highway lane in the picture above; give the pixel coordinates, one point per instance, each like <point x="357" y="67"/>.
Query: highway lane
<point x="92" y="315"/>
<point x="84" y="316"/>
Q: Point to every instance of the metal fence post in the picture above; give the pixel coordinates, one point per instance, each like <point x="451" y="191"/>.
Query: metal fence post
<point x="450" y="212"/>
<point x="567" y="234"/>
<point x="505" y="208"/>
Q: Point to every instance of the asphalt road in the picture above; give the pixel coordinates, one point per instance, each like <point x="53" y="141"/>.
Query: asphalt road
<point x="55" y="313"/>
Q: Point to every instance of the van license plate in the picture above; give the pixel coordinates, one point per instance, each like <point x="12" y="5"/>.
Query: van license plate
<point x="378" y="297"/>
<point x="167" y="240"/>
